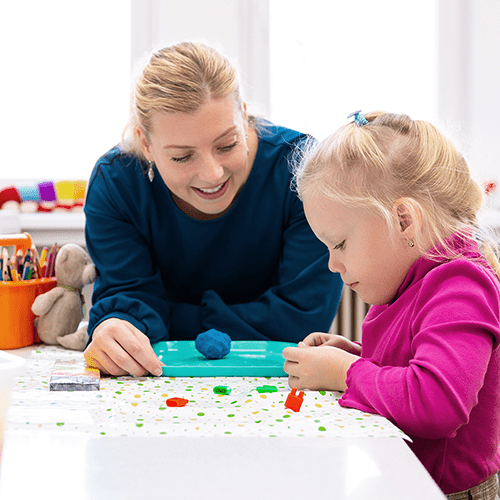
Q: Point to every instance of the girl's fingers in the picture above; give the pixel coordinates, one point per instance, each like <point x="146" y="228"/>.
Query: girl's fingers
<point x="294" y="382"/>
<point x="292" y="353"/>
<point x="316" y="339"/>
<point x="291" y="368"/>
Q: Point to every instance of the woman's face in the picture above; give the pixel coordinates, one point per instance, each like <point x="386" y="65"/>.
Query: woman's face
<point x="202" y="157"/>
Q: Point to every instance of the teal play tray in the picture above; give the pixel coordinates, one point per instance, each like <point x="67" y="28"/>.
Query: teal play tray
<point x="256" y="358"/>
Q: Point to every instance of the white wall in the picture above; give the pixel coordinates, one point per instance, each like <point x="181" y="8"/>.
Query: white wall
<point x="469" y="80"/>
<point x="468" y="59"/>
<point x="239" y="28"/>
<point x="468" y="45"/>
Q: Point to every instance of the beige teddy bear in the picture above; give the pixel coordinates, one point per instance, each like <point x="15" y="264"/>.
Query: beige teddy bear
<point x="60" y="310"/>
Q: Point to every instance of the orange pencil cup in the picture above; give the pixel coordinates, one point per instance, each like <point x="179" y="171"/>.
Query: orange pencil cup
<point x="17" y="327"/>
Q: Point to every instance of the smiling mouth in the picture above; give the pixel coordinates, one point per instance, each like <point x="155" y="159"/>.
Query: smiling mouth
<point x="212" y="193"/>
<point x="211" y="190"/>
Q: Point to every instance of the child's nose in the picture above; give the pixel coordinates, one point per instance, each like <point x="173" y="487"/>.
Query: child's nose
<point x="335" y="265"/>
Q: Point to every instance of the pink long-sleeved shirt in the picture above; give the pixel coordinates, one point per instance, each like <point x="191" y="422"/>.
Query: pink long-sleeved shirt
<point x="430" y="363"/>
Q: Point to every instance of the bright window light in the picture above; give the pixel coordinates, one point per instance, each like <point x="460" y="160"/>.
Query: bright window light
<point x="64" y="87"/>
<point x="332" y="57"/>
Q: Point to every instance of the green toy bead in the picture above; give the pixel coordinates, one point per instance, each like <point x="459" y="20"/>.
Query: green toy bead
<point x="222" y="389"/>
<point x="267" y="388"/>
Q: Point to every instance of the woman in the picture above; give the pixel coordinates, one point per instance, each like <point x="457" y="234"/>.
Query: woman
<point x="192" y="224"/>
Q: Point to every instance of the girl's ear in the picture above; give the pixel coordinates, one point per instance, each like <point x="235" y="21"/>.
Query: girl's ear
<point x="144" y="143"/>
<point x="408" y="214"/>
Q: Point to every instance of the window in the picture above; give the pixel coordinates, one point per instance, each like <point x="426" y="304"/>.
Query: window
<point x="64" y="87"/>
<point x="329" y="58"/>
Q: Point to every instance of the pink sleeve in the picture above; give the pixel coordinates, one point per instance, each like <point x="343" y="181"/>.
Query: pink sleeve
<point x="452" y="339"/>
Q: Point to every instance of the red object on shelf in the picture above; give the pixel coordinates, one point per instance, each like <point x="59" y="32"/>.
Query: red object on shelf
<point x="489" y="187"/>
<point x="177" y="402"/>
<point x="9" y="194"/>
<point x="294" y="401"/>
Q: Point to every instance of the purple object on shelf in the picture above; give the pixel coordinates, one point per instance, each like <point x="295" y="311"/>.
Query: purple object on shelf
<point x="47" y="191"/>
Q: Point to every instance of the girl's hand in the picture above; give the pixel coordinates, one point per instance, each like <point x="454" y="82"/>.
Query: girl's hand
<point x="317" y="368"/>
<point x="317" y="339"/>
<point x="119" y="348"/>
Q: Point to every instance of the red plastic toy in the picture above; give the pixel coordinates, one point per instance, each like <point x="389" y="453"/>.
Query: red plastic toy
<point x="177" y="402"/>
<point x="294" y="401"/>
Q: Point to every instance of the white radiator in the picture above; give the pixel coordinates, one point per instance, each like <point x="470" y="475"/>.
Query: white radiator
<point x="350" y="316"/>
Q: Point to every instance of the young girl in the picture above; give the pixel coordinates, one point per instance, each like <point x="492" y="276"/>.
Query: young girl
<point x="394" y="203"/>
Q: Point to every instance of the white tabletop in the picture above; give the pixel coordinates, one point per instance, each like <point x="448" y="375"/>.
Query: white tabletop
<point x="74" y="467"/>
<point x="42" y="460"/>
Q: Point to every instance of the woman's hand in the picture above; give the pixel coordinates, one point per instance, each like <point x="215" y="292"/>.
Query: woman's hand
<point x="320" y="362"/>
<point x="119" y="348"/>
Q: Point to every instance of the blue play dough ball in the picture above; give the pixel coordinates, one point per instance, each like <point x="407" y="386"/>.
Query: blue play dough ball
<point x="213" y="344"/>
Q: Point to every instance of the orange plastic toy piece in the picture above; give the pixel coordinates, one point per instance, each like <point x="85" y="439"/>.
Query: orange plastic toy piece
<point x="294" y="401"/>
<point x="177" y="402"/>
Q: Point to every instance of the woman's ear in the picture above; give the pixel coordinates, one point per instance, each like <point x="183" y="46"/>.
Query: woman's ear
<point x="144" y="143"/>
<point x="408" y="214"/>
<point x="245" y="117"/>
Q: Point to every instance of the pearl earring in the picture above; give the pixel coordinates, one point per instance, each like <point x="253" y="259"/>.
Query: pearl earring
<point x="151" y="172"/>
<point x="411" y="243"/>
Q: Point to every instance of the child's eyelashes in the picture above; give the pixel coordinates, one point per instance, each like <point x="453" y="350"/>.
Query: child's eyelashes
<point x="340" y="246"/>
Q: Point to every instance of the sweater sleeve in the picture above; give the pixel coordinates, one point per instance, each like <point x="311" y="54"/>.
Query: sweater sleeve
<point x="128" y="285"/>
<point x="454" y="329"/>
<point x="305" y="298"/>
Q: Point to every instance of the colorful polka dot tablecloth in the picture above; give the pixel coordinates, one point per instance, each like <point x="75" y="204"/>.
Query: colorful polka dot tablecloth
<point x="136" y="406"/>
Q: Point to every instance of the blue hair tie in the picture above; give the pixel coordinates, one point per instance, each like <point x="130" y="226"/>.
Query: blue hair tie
<point x="359" y="118"/>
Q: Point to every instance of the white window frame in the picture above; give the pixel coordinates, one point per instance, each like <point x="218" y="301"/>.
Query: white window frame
<point x="239" y="28"/>
<point x="468" y="47"/>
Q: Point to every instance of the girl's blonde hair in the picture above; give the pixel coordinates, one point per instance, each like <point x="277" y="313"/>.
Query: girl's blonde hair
<point x="393" y="157"/>
<point x="178" y="79"/>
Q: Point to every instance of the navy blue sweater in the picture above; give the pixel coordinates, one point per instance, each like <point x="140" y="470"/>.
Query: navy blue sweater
<point x="258" y="272"/>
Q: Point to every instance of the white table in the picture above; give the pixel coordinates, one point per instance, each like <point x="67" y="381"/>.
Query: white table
<point x="211" y="468"/>
<point x="69" y="465"/>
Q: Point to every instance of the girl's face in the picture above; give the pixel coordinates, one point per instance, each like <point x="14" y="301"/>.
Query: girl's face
<point x="370" y="258"/>
<point x="202" y="157"/>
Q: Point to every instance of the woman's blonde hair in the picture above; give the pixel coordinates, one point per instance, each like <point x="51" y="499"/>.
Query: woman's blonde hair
<point x="393" y="157"/>
<point x="178" y="79"/>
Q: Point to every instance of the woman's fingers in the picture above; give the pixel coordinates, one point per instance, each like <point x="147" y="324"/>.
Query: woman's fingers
<point x="100" y="360"/>
<point x="118" y="348"/>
